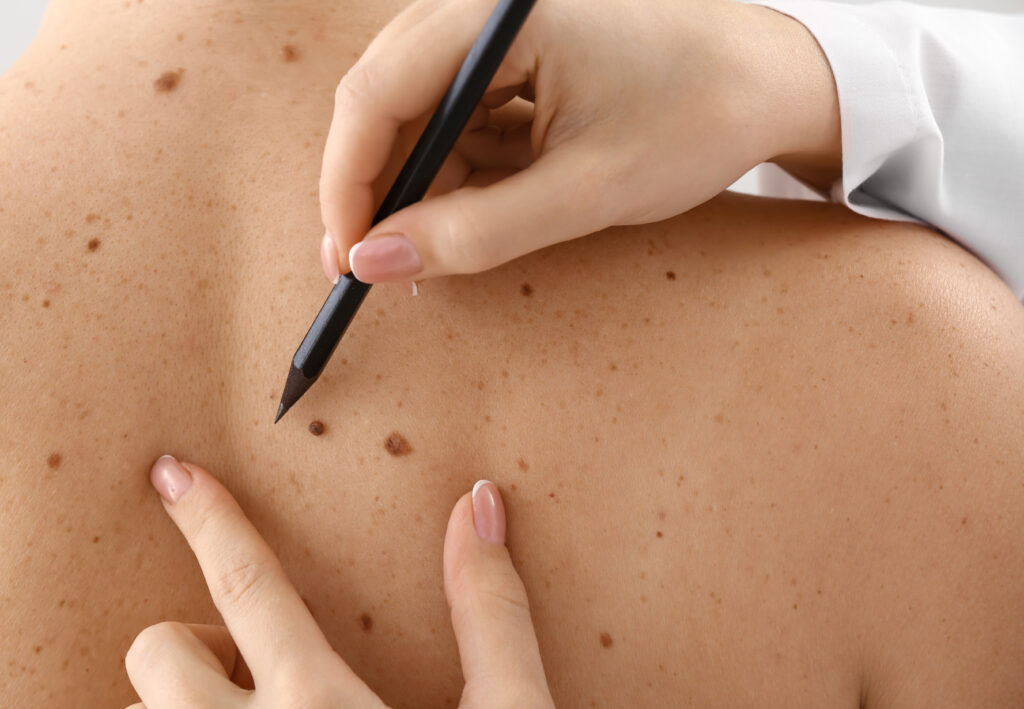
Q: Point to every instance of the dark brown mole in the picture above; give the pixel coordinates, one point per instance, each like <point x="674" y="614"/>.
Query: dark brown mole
<point x="289" y="53"/>
<point x="671" y="275"/>
<point x="54" y="460"/>
<point x="659" y="535"/>
<point x="46" y="303"/>
<point x="606" y="640"/>
<point x="95" y="540"/>
<point x="168" y="81"/>
<point x="396" y="445"/>
<point x="316" y="428"/>
<point x="526" y="290"/>
<point x="366" y="622"/>
<point x="93" y="244"/>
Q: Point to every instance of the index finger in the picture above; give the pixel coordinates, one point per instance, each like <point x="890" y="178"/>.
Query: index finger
<point x="267" y="618"/>
<point x="401" y="76"/>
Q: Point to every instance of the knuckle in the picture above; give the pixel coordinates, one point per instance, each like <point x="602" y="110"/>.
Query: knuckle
<point x="462" y="244"/>
<point x="354" y="89"/>
<point x="240" y="582"/>
<point x="149" y="646"/>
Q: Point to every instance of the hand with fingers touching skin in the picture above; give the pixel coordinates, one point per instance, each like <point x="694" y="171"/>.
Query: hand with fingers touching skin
<point x="603" y="113"/>
<point x="272" y="654"/>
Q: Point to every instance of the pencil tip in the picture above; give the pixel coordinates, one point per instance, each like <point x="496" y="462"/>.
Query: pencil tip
<point x="281" y="411"/>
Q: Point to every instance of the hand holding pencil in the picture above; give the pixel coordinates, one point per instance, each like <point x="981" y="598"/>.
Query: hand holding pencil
<point x="603" y="113"/>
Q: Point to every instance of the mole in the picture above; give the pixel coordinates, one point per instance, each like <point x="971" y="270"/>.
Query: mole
<point x="523" y="465"/>
<point x="366" y="621"/>
<point x="671" y="275"/>
<point x="526" y="290"/>
<point x="46" y="303"/>
<point x="95" y="540"/>
<point x="606" y="640"/>
<point x="659" y="535"/>
<point x="167" y="82"/>
<point x="93" y="244"/>
<point x="54" y="460"/>
<point x="396" y="445"/>
<point x="316" y="428"/>
<point x="289" y="53"/>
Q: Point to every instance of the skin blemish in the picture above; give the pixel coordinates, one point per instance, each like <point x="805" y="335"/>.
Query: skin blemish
<point x="167" y="82"/>
<point x="46" y="303"/>
<point x="671" y="275"/>
<point x="526" y="289"/>
<point x="523" y="465"/>
<point x="93" y="244"/>
<point x="606" y="640"/>
<point x="181" y="36"/>
<point x="289" y="53"/>
<point x="95" y="540"/>
<point x="54" y="460"/>
<point x="366" y="622"/>
<point x="316" y="428"/>
<point x="396" y="445"/>
<point x="659" y="535"/>
<point x="92" y="218"/>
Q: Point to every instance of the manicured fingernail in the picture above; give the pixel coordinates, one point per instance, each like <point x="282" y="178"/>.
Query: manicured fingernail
<point x="412" y="287"/>
<point x="170" y="479"/>
<point x="488" y="512"/>
<point x="385" y="258"/>
<point x="329" y="258"/>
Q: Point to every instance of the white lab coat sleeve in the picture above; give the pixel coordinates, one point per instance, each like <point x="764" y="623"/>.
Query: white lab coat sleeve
<point x="932" y="108"/>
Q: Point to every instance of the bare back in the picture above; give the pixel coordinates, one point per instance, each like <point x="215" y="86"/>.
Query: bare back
<point x="762" y="454"/>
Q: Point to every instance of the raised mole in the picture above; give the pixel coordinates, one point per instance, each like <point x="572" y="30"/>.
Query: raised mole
<point x="366" y="622"/>
<point x="168" y="81"/>
<point x="316" y="428"/>
<point x="526" y="290"/>
<point x="671" y="275"/>
<point x="606" y="640"/>
<point x="396" y="445"/>
<point x="54" y="460"/>
<point x="93" y="244"/>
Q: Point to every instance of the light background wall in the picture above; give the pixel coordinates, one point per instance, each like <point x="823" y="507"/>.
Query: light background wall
<point x="19" y="20"/>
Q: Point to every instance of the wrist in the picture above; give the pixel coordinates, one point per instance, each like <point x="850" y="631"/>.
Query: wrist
<point x="797" y="96"/>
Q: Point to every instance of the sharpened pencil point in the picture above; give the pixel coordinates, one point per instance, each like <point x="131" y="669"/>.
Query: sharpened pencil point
<point x="281" y="411"/>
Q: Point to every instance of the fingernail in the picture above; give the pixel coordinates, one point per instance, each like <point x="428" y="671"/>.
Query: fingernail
<point x="169" y="478"/>
<point x="412" y="287"/>
<point x="329" y="258"/>
<point x="488" y="512"/>
<point x="385" y="258"/>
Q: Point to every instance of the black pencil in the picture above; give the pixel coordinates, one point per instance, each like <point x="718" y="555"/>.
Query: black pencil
<point x="419" y="171"/>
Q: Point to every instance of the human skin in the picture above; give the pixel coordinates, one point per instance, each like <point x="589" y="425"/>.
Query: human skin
<point x="818" y="413"/>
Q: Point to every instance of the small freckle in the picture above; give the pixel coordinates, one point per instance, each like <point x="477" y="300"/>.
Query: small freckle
<point x="513" y="487"/>
<point x="316" y="428"/>
<point x="167" y="82"/>
<point x="794" y="606"/>
<point x="92" y="218"/>
<point x="551" y="495"/>
<point x="659" y="535"/>
<point x="719" y="417"/>
<point x="54" y="460"/>
<point x="46" y="303"/>
<point x="396" y="445"/>
<point x="366" y="622"/>
<point x="289" y="53"/>
<point x="181" y="36"/>
<point x="606" y="640"/>
<point x="30" y="84"/>
<point x="671" y="275"/>
<point x="963" y="522"/>
<point x="523" y="465"/>
<point x="38" y="649"/>
<point x="95" y="540"/>
<point x="93" y="244"/>
<point x="526" y="289"/>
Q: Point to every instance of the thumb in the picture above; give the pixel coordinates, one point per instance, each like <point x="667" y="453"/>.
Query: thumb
<point x="490" y="613"/>
<point x="472" y="229"/>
